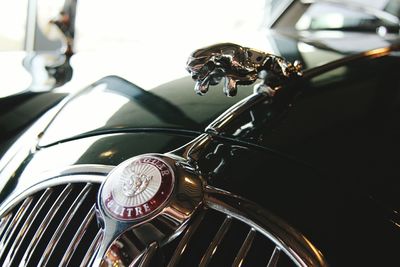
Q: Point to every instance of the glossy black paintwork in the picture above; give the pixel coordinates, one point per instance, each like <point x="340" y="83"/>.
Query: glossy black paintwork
<point x="342" y="193"/>
<point x="106" y="149"/>
<point x="18" y="111"/>
<point x="341" y="219"/>
<point x="114" y="104"/>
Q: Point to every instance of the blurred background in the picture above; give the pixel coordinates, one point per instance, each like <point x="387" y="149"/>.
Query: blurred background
<point x="133" y="36"/>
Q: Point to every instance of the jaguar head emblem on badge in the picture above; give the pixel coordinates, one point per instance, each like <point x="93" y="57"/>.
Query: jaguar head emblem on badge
<point x="144" y="193"/>
<point x="136" y="188"/>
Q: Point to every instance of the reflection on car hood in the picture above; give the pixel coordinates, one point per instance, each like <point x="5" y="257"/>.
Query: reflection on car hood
<point x="113" y="104"/>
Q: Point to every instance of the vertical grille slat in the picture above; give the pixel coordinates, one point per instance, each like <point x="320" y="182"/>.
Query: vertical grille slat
<point x="52" y="224"/>
<point x="148" y="255"/>
<point x="191" y="229"/>
<point x="45" y="223"/>
<point x="212" y="248"/>
<point x="78" y="236"/>
<point x="94" y="246"/>
<point x="25" y="228"/>
<point x="13" y="226"/>
<point x="4" y="223"/>
<point x="273" y="261"/>
<point x="62" y="226"/>
<point x="244" y="249"/>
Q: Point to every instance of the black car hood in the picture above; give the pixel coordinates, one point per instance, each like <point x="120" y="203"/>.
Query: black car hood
<point x="113" y="104"/>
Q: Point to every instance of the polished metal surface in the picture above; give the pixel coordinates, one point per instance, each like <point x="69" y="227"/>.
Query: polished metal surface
<point x="90" y="173"/>
<point x="178" y="202"/>
<point x="296" y="246"/>
<point x="78" y="236"/>
<point x="238" y="65"/>
<point x="45" y="223"/>
<point x="235" y="210"/>
<point x="244" y="249"/>
<point x="4" y="223"/>
<point x="273" y="261"/>
<point x="212" y="248"/>
<point x="181" y="217"/>
<point x="91" y="252"/>
<point x="27" y="225"/>
<point x="136" y="188"/>
<point x="225" y="119"/>
<point x="148" y="255"/>
<point x="63" y="196"/>
<point x="190" y="230"/>
<point x="63" y="224"/>
<point x="19" y="215"/>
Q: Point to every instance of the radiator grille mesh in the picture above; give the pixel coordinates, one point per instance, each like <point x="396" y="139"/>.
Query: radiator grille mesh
<point x="216" y="239"/>
<point x="53" y="226"/>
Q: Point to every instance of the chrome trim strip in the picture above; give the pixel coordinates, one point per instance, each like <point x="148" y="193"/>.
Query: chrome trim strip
<point x="45" y="223"/>
<point x="78" y="237"/>
<point x="91" y="253"/>
<point x="148" y="255"/>
<point x="27" y="225"/>
<point x="273" y="261"/>
<point x="212" y="248"/>
<point x="191" y="229"/>
<point x="4" y="222"/>
<point x="296" y="246"/>
<point x="64" y="223"/>
<point x="13" y="225"/>
<point x="84" y="173"/>
<point x="232" y="113"/>
<point x="244" y="248"/>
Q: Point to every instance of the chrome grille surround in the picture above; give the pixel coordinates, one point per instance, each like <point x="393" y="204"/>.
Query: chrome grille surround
<point x="53" y="221"/>
<point x="21" y="238"/>
<point x="262" y="236"/>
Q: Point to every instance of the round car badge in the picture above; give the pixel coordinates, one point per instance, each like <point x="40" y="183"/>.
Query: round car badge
<point x="137" y="187"/>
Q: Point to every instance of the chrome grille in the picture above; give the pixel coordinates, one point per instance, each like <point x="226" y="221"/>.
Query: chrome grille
<point x="231" y="231"/>
<point x="217" y="239"/>
<point x="53" y="226"/>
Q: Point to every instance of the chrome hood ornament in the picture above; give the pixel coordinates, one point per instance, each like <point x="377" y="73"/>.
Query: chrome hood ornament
<point x="238" y="65"/>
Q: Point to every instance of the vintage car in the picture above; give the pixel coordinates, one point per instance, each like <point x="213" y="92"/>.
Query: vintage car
<point x="289" y="157"/>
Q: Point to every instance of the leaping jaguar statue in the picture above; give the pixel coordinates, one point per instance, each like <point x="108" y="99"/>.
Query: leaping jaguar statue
<point x="238" y="65"/>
